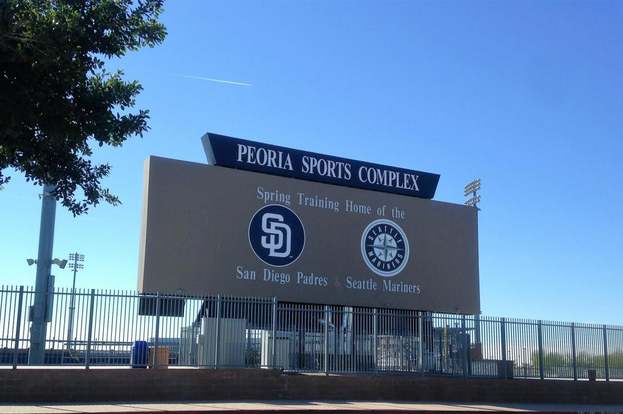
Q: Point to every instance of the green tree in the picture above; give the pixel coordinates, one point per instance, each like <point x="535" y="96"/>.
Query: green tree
<point x="57" y="100"/>
<point x="583" y="360"/>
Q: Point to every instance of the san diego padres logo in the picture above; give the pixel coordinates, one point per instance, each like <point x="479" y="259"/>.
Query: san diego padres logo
<point x="384" y="247"/>
<point x="276" y="235"/>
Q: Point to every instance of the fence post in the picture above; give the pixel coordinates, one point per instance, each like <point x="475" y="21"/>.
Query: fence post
<point x="154" y="359"/>
<point x="606" y="367"/>
<point x="420" y="342"/>
<point x="326" y="339"/>
<point x="18" y="325"/>
<point x="465" y="345"/>
<point x="87" y="356"/>
<point x="503" y="337"/>
<point x="375" y="330"/>
<point x="575" y="365"/>
<point x="217" y="336"/>
<point x="503" y="345"/>
<point x="541" y="360"/>
<point x="274" y="333"/>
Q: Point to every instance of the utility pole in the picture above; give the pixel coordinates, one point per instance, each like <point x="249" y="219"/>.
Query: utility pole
<point x="44" y="265"/>
<point x="75" y="265"/>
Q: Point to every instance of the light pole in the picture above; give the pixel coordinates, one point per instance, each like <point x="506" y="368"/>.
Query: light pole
<point x="44" y="263"/>
<point x="75" y="264"/>
<point x="471" y="191"/>
<point x="38" y="327"/>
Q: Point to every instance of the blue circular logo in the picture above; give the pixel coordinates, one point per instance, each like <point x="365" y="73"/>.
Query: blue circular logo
<point x="276" y="235"/>
<point x="384" y="247"/>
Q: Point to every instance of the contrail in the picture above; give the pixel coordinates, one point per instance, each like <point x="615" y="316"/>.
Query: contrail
<point x="228" y="82"/>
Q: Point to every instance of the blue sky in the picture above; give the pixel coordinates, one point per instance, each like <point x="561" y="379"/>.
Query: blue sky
<point x="527" y="95"/>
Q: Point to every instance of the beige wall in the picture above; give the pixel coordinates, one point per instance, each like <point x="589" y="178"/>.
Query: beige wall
<point x="194" y="240"/>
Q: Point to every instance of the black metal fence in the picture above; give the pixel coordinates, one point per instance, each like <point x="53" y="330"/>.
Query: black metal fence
<point x="89" y="327"/>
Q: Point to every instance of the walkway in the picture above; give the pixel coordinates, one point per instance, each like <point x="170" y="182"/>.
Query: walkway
<point x="305" y="407"/>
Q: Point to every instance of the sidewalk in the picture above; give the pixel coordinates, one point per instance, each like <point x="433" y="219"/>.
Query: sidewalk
<point x="306" y="407"/>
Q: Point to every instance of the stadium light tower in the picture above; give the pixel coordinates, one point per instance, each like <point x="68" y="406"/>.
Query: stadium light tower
<point x="76" y="263"/>
<point x="471" y="191"/>
<point x="473" y="198"/>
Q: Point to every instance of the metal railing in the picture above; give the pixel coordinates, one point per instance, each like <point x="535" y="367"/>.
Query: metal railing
<point x="108" y="327"/>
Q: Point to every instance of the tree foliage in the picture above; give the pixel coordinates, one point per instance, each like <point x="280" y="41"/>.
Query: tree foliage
<point x="58" y="101"/>
<point x="584" y="360"/>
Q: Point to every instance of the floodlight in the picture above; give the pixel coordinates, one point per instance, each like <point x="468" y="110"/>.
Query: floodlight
<point x="472" y="187"/>
<point x="60" y="263"/>
<point x="31" y="262"/>
<point x="471" y="191"/>
<point x="473" y="202"/>
<point x="76" y="257"/>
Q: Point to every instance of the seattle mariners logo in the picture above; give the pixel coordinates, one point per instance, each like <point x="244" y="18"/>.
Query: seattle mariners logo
<point x="276" y="235"/>
<point x="384" y="247"/>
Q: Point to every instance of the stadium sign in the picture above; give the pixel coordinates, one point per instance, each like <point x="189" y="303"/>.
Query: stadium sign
<point x="254" y="156"/>
<point x="210" y="230"/>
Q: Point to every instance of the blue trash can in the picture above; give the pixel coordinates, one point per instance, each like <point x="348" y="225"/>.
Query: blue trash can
<point x="138" y="356"/>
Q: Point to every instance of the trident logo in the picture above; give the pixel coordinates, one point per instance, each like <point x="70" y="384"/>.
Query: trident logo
<point x="278" y="237"/>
